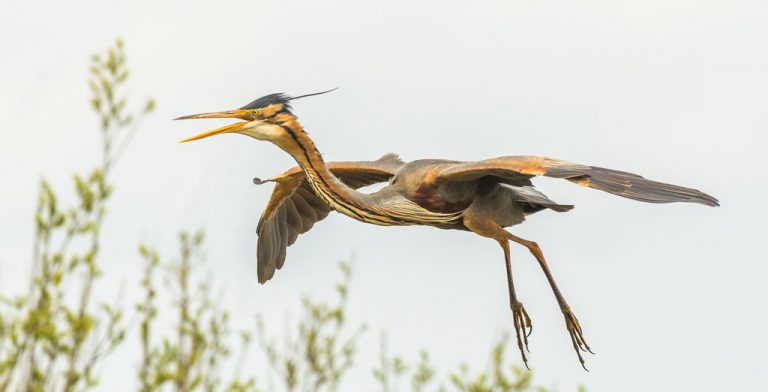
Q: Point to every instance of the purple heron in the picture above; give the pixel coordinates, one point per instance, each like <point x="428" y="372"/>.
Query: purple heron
<point x="482" y="197"/>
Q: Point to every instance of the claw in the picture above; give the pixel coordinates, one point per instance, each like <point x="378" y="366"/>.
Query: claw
<point x="577" y="337"/>
<point x="528" y="323"/>
<point x="522" y="322"/>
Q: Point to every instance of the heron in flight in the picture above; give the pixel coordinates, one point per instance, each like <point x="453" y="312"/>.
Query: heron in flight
<point x="482" y="197"/>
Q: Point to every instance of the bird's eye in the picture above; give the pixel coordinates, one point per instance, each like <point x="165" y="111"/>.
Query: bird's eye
<point x="256" y="112"/>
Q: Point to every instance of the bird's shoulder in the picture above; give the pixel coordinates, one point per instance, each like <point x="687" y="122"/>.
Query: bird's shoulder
<point x="422" y="169"/>
<point x="416" y="181"/>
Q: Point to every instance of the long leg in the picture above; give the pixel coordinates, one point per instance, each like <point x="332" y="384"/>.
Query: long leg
<point x="486" y="227"/>
<point x="571" y="322"/>
<point x="522" y="321"/>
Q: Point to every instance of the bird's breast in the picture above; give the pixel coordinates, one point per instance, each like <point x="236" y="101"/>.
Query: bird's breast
<point x="431" y="197"/>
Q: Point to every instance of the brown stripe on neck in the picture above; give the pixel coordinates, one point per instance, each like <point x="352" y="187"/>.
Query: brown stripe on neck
<point x="324" y="182"/>
<point x="310" y="157"/>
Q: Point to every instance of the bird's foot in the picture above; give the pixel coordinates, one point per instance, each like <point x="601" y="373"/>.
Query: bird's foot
<point x="577" y="338"/>
<point x="523" y="329"/>
<point x="259" y="181"/>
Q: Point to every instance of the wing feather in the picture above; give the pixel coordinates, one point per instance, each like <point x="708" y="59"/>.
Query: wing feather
<point x="519" y="170"/>
<point x="294" y="207"/>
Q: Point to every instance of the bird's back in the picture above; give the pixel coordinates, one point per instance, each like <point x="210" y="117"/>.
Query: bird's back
<point x="507" y="200"/>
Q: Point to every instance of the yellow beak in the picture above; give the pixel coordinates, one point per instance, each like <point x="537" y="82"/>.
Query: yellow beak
<point x="237" y="113"/>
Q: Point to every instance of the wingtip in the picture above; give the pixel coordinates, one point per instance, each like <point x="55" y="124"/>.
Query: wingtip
<point x="706" y="200"/>
<point x="265" y="273"/>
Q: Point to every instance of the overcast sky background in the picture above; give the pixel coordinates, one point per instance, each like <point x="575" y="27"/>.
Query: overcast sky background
<point x="671" y="297"/>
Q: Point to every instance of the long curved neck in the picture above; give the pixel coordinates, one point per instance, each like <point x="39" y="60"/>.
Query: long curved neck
<point x="327" y="186"/>
<point x="357" y="205"/>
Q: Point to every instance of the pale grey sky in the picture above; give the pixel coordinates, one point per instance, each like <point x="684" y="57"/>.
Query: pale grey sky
<point x="671" y="297"/>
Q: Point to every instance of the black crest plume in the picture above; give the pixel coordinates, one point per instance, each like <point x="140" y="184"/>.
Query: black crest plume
<point x="282" y="98"/>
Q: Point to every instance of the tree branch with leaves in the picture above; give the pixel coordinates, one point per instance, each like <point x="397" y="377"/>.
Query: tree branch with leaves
<point x="53" y="338"/>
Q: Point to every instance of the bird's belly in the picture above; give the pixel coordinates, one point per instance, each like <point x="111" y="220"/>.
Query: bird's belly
<point x="499" y="207"/>
<point x="398" y="211"/>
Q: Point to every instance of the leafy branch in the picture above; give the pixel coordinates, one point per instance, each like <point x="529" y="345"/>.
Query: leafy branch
<point x="191" y="359"/>
<point x="52" y="338"/>
<point x="322" y="353"/>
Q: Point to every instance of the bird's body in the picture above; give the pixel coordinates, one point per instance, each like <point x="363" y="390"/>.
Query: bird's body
<point x="412" y="187"/>
<point x="483" y="197"/>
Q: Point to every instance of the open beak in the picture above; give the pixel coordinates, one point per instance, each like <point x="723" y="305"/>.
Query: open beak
<point x="237" y="113"/>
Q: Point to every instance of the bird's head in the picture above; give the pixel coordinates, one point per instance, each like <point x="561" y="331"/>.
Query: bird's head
<point x="262" y="118"/>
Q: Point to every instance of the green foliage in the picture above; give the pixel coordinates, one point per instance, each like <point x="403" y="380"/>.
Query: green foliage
<point x="190" y="360"/>
<point x="392" y="369"/>
<point x="109" y="73"/>
<point x="499" y="378"/>
<point x="52" y="338"/>
<point x="319" y="356"/>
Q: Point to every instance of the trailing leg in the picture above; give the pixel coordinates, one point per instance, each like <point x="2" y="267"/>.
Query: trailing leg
<point x="571" y="322"/>
<point x="490" y="229"/>
<point x="521" y="319"/>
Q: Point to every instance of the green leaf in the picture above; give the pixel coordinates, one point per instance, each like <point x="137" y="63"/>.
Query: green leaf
<point x="149" y="107"/>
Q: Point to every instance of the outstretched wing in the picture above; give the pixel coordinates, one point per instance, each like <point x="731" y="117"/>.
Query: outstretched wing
<point x="519" y="169"/>
<point x="294" y="207"/>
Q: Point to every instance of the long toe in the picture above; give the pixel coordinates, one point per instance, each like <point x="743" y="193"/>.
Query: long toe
<point x="577" y="337"/>
<point x="523" y="328"/>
